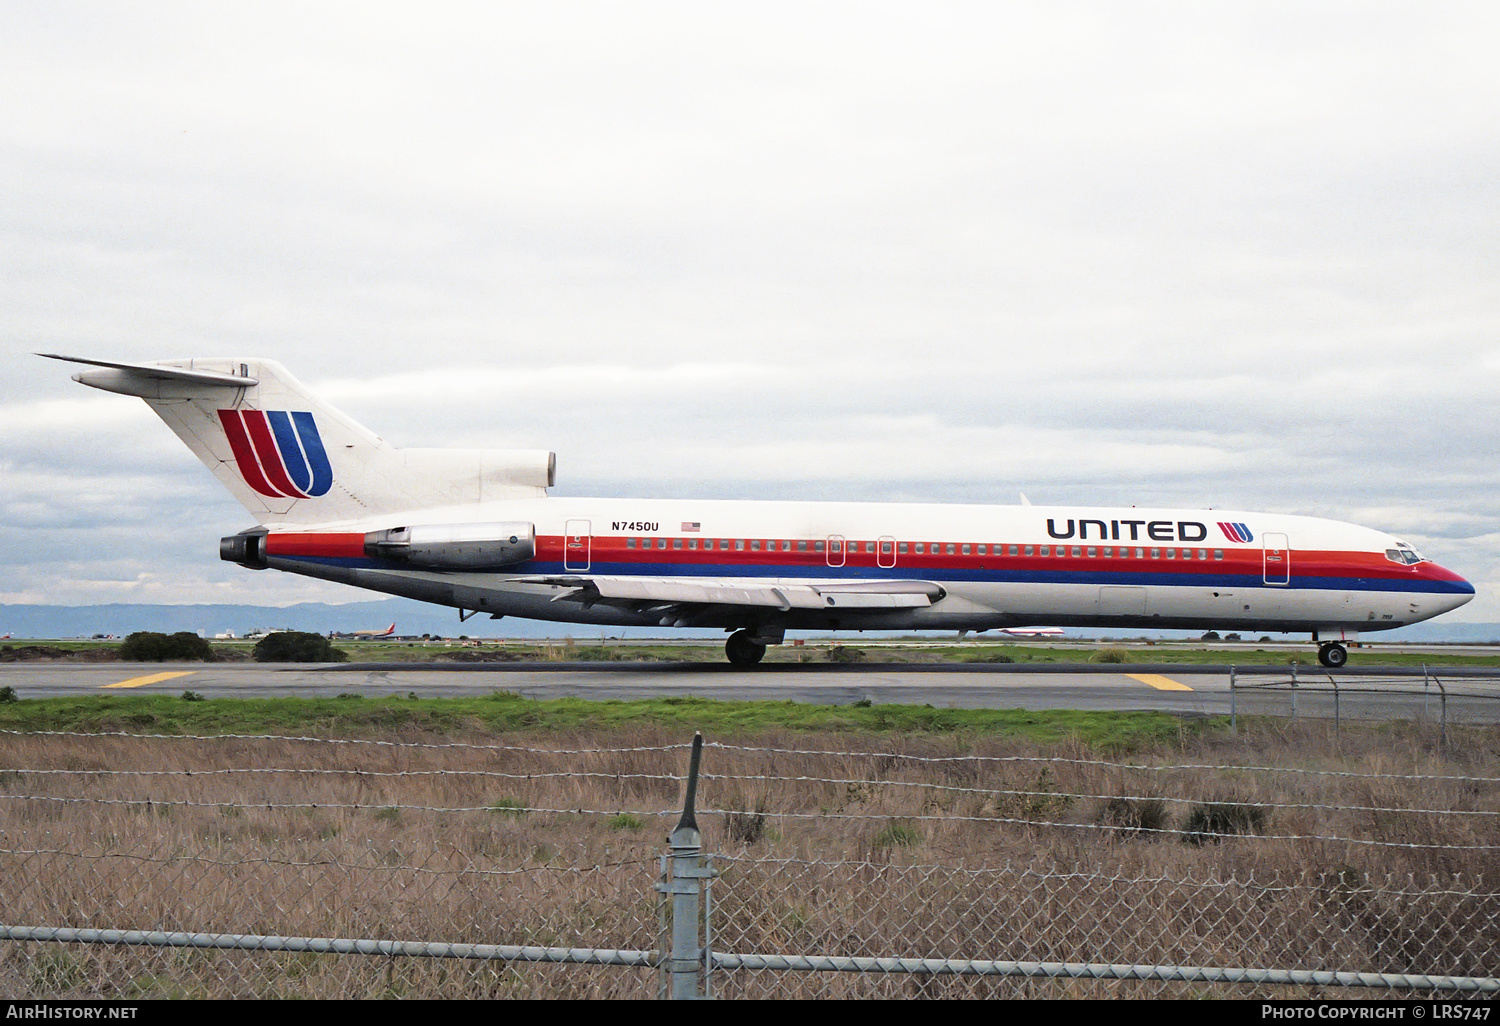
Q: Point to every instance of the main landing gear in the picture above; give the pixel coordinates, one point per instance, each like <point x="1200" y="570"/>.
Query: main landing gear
<point x="1332" y="655"/>
<point x="743" y="649"/>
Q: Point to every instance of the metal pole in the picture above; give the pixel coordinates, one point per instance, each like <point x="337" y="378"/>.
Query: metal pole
<point x="1294" y="692"/>
<point x="685" y="883"/>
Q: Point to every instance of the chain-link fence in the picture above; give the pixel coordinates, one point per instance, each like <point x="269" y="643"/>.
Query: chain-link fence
<point x="1304" y="864"/>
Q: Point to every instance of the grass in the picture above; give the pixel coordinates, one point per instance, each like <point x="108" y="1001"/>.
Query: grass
<point x="503" y="711"/>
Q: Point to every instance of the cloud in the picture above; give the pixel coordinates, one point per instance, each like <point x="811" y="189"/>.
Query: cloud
<point x="1176" y="254"/>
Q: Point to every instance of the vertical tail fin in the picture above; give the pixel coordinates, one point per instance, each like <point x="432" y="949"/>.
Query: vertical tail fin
<point x="288" y="457"/>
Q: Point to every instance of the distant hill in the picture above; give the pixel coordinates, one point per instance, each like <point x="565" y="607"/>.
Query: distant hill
<point x="37" y="621"/>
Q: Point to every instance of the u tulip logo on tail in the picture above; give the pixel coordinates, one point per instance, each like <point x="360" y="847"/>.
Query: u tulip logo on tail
<point x="280" y="453"/>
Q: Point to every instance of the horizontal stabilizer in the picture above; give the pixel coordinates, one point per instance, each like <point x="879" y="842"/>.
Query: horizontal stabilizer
<point x="157" y="372"/>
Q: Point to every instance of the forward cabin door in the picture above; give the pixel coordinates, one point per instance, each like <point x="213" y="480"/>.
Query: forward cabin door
<point x="577" y="545"/>
<point x="1277" y="558"/>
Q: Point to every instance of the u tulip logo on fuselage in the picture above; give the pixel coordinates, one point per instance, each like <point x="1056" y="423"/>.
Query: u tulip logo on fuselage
<point x="280" y="453"/>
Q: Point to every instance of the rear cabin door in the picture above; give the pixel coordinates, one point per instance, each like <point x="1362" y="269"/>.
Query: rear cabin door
<point x="577" y="545"/>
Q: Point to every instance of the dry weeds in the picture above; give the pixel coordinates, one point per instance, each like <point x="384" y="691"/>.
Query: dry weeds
<point x="1381" y="857"/>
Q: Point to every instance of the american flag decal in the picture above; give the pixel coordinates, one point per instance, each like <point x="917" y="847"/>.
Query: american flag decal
<point x="691" y="528"/>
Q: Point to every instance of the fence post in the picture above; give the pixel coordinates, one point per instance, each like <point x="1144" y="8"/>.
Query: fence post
<point x="1294" y="692"/>
<point x="1233" y="695"/>
<point x="685" y="876"/>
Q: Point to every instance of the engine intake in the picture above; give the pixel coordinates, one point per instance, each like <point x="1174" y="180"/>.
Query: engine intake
<point x="455" y="546"/>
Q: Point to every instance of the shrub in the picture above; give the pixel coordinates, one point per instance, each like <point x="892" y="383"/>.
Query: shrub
<point x="1134" y="815"/>
<point x="1210" y="822"/>
<point x="154" y="647"/>
<point x="508" y="807"/>
<point x="297" y="647"/>
<point x="1111" y="655"/>
<point x="625" y="821"/>
<point x="898" y="835"/>
<point x="748" y="826"/>
<point x="840" y="654"/>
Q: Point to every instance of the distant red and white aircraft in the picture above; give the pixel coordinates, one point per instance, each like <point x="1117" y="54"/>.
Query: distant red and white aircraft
<point x="370" y="634"/>
<point x="476" y="530"/>
<point x="1033" y="632"/>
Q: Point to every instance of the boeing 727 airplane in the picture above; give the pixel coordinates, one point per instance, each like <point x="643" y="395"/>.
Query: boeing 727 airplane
<point x="475" y="529"/>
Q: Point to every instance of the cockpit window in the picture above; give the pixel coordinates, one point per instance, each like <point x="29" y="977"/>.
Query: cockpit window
<point x="1404" y="554"/>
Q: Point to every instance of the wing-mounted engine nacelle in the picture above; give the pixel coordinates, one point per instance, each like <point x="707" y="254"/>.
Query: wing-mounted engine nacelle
<point x="455" y="546"/>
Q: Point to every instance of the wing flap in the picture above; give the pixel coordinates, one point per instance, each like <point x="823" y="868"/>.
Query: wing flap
<point x="780" y="595"/>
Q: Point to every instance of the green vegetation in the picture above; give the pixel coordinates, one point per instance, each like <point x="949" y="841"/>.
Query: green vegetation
<point x="502" y="711"/>
<point x="1209" y="822"/>
<point x="898" y="835"/>
<point x="151" y="647"/>
<point x="297" y="647"/>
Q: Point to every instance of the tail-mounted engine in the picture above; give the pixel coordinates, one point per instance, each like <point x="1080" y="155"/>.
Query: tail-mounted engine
<point x="454" y="546"/>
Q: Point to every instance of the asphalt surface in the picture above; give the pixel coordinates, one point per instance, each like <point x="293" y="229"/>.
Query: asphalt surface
<point x="1182" y="689"/>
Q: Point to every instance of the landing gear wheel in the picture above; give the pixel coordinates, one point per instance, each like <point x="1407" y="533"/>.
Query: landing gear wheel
<point x="743" y="650"/>
<point x="1333" y="655"/>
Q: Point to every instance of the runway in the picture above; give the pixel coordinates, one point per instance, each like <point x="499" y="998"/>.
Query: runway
<point x="1175" y="688"/>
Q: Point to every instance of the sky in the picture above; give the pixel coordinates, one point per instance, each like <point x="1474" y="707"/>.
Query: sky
<point x="1227" y="255"/>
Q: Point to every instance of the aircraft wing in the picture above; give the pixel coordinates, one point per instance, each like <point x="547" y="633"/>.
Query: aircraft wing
<point x="782" y="596"/>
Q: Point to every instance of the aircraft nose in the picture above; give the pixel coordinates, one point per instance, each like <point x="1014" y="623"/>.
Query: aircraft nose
<point x="1453" y="590"/>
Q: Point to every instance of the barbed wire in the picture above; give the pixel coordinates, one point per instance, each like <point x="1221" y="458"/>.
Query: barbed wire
<point x="94" y="735"/>
<point x="1107" y="827"/>
<point x="1101" y="763"/>
<point x="314" y="771"/>
<point x="498" y="809"/>
<point x="986" y="791"/>
<point x="649" y="863"/>
<point x="1309" y="877"/>
<point x="757" y="778"/>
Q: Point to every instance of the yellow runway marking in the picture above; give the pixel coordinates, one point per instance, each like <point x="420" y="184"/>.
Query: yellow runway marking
<point x="155" y="678"/>
<point x="1159" y="682"/>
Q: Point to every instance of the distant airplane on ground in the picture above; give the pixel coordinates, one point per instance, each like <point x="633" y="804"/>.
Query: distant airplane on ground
<point x="476" y="530"/>
<point x="1034" y="632"/>
<point x="367" y="635"/>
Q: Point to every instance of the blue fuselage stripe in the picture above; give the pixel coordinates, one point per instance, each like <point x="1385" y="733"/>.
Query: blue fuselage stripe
<point x="1167" y="579"/>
